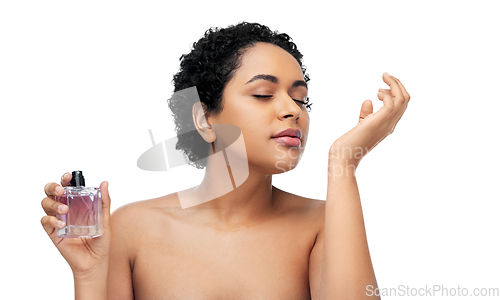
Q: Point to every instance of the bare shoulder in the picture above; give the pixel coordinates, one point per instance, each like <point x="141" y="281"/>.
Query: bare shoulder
<point x="139" y="214"/>
<point x="144" y="206"/>
<point x="131" y="222"/>
<point x="309" y="209"/>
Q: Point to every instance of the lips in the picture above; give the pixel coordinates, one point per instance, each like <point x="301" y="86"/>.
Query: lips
<point x="289" y="137"/>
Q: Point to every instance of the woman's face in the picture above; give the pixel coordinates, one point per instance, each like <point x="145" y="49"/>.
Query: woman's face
<point x="262" y="100"/>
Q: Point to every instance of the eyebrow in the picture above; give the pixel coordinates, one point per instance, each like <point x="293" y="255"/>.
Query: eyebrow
<point x="274" y="79"/>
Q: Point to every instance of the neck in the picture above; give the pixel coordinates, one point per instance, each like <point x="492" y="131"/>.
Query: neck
<point x="233" y="193"/>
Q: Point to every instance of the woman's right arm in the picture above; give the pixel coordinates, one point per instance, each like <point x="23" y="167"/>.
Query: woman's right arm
<point x="88" y="258"/>
<point x="121" y="253"/>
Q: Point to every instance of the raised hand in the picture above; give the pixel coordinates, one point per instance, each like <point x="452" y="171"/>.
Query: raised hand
<point x="372" y="128"/>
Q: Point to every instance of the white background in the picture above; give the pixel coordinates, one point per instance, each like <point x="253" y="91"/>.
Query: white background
<point x="81" y="82"/>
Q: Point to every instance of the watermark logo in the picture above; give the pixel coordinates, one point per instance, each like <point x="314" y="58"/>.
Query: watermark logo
<point x="287" y="159"/>
<point x="431" y="291"/>
<point x="227" y="156"/>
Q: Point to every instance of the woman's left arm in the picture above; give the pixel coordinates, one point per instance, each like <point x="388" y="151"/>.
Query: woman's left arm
<point x="347" y="271"/>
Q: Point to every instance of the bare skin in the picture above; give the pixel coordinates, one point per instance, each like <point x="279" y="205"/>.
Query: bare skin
<point x="174" y="254"/>
<point x="255" y="242"/>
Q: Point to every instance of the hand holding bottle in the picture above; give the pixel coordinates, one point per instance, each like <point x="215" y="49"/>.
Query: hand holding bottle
<point x="84" y="255"/>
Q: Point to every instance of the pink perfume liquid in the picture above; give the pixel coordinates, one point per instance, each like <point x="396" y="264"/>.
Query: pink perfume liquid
<point x="84" y="217"/>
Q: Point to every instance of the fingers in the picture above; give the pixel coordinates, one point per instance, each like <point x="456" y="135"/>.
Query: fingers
<point x="381" y="93"/>
<point x="395" y="88"/>
<point x="385" y="111"/>
<point x="53" y="189"/>
<point x="52" y="207"/>
<point x="106" y="202"/>
<point x="405" y="93"/>
<point x="66" y="179"/>
<point x="49" y="205"/>
<point x="366" y="109"/>
<point x="400" y="104"/>
<point x="396" y="91"/>
<point x="51" y="224"/>
<point x="406" y="98"/>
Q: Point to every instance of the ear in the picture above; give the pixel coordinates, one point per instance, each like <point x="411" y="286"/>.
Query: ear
<point x="202" y="124"/>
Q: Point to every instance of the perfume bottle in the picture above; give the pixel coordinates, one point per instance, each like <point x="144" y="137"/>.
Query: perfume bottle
<point x="84" y="218"/>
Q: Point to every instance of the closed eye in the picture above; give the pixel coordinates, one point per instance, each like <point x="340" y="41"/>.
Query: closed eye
<point x="306" y="103"/>
<point x="269" y="96"/>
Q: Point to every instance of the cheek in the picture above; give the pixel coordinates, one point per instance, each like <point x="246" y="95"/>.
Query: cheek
<point x="253" y="128"/>
<point x="305" y="130"/>
<point x="254" y="124"/>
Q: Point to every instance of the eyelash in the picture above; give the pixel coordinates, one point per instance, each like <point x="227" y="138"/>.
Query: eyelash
<point x="307" y="103"/>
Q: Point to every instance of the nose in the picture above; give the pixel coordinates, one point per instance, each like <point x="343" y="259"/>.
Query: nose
<point x="288" y="109"/>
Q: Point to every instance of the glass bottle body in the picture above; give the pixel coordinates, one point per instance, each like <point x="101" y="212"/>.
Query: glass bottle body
<point x="84" y="218"/>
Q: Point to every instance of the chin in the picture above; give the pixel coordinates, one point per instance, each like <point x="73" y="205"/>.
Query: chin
<point x="279" y="159"/>
<point x="285" y="158"/>
<point x="273" y="165"/>
<point x="284" y="165"/>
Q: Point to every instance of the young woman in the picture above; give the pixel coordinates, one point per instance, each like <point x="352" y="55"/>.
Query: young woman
<point x="253" y="241"/>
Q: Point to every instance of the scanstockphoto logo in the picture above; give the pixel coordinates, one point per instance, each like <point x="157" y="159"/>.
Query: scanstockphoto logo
<point x="432" y="291"/>
<point x="289" y="159"/>
<point x="229" y="163"/>
<point x="349" y="159"/>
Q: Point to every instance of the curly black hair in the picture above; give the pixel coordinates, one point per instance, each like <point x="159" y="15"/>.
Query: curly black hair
<point x="209" y="66"/>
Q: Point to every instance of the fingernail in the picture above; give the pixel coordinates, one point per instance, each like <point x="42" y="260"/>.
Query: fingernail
<point x="387" y="74"/>
<point x="61" y="224"/>
<point x="60" y="208"/>
<point x="59" y="190"/>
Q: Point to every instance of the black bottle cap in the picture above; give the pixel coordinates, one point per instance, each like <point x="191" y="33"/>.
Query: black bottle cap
<point x="77" y="178"/>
